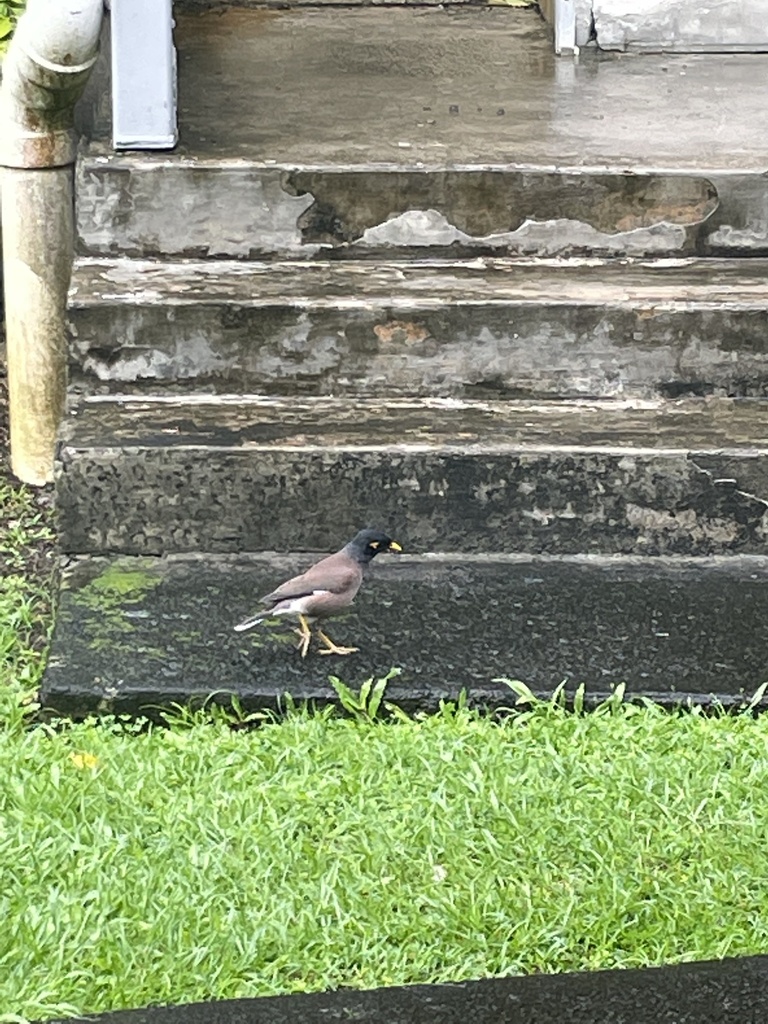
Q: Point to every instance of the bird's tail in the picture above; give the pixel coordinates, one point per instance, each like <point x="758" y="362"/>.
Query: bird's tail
<point x="248" y="623"/>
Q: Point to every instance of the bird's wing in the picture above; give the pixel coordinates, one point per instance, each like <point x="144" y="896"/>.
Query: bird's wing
<point x="331" y="574"/>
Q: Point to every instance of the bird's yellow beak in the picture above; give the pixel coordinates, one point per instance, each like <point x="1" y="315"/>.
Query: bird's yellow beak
<point x="394" y="546"/>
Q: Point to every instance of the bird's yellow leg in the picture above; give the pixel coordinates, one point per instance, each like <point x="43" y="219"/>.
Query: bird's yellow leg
<point x="332" y="648"/>
<point x="305" y="635"/>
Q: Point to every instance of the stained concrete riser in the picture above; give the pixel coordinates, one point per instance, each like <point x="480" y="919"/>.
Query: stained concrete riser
<point x="146" y="475"/>
<point x="545" y="349"/>
<point x="152" y="500"/>
<point x="504" y="328"/>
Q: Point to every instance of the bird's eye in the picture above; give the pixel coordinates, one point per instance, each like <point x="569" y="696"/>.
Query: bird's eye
<point x="374" y="544"/>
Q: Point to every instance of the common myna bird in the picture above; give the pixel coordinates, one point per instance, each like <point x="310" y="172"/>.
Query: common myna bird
<point x="325" y="589"/>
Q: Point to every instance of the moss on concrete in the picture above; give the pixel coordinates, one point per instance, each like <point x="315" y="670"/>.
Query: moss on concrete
<point x="110" y="596"/>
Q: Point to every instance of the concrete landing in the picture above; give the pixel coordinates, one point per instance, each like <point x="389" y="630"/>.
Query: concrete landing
<point x="136" y="633"/>
<point x="149" y="475"/>
<point x="472" y="86"/>
<point x="485" y="327"/>
<point x="307" y="128"/>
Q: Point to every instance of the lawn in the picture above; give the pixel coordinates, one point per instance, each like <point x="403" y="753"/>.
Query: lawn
<point x="26" y="571"/>
<point x="147" y="865"/>
<point x="204" y="862"/>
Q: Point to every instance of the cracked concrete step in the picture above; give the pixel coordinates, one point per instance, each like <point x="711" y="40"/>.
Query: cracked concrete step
<point x="245" y="473"/>
<point x="448" y="328"/>
<point x="130" y="205"/>
<point x="485" y="143"/>
<point x="135" y="633"/>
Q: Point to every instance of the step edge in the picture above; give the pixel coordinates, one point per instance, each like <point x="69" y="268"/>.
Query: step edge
<point x="101" y="158"/>
<point x="480" y="448"/>
<point x="447" y="559"/>
<point x="240" y="267"/>
<point x="532" y="406"/>
<point x="741" y="284"/>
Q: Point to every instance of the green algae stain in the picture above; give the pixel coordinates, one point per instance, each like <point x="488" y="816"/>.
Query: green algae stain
<point x="112" y="596"/>
<point x="127" y="584"/>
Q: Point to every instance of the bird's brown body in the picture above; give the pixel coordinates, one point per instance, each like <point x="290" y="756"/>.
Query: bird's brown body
<point x="326" y="588"/>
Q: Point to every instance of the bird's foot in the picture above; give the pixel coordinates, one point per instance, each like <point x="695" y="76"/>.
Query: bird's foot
<point x="305" y="636"/>
<point x="302" y="644"/>
<point x="332" y="648"/>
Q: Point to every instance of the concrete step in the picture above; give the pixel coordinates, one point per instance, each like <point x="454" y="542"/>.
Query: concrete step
<point x="445" y="131"/>
<point x="178" y="473"/>
<point x="486" y="327"/>
<point x="135" y="633"/>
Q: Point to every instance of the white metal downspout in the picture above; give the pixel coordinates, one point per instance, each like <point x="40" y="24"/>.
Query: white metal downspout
<point x="44" y="73"/>
<point x="565" y="27"/>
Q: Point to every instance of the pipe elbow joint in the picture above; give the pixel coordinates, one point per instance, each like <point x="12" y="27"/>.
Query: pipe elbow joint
<point x="45" y="71"/>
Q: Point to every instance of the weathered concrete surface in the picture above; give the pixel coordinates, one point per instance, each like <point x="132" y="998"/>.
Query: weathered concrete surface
<point x="739" y="225"/>
<point x="134" y="205"/>
<point x="129" y="205"/>
<point x="131" y="633"/>
<point x="710" y="992"/>
<point x="200" y="473"/>
<point x="490" y="327"/>
<point x="486" y="142"/>
<point x="681" y="25"/>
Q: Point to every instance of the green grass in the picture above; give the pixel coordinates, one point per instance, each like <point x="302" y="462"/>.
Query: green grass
<point x="26" y="568"/>
<point x="201" y="862"/>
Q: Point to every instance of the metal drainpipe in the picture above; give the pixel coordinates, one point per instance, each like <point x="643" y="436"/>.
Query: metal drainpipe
<point x="44" y="73"/>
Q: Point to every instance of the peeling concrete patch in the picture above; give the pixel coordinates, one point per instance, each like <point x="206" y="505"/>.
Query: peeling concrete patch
<point x="547" y="238"/>
<point x="511" y="211"/>
<point x="191" y="358"/>
<point x="740" y="240"/>
<point x="415" y="227"/>
<point x="553" y="237"/>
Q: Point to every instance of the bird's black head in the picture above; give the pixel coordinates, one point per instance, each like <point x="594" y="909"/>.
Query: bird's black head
<point x="369" y="543"/>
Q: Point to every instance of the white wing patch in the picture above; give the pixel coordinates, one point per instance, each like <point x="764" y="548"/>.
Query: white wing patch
<point x="296" y="605"/>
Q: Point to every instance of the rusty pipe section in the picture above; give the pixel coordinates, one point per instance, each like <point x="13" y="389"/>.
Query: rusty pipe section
<point x="44" y="73"/>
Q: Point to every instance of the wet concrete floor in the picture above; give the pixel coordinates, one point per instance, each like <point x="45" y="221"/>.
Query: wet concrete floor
<point x="479" y="86"/>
